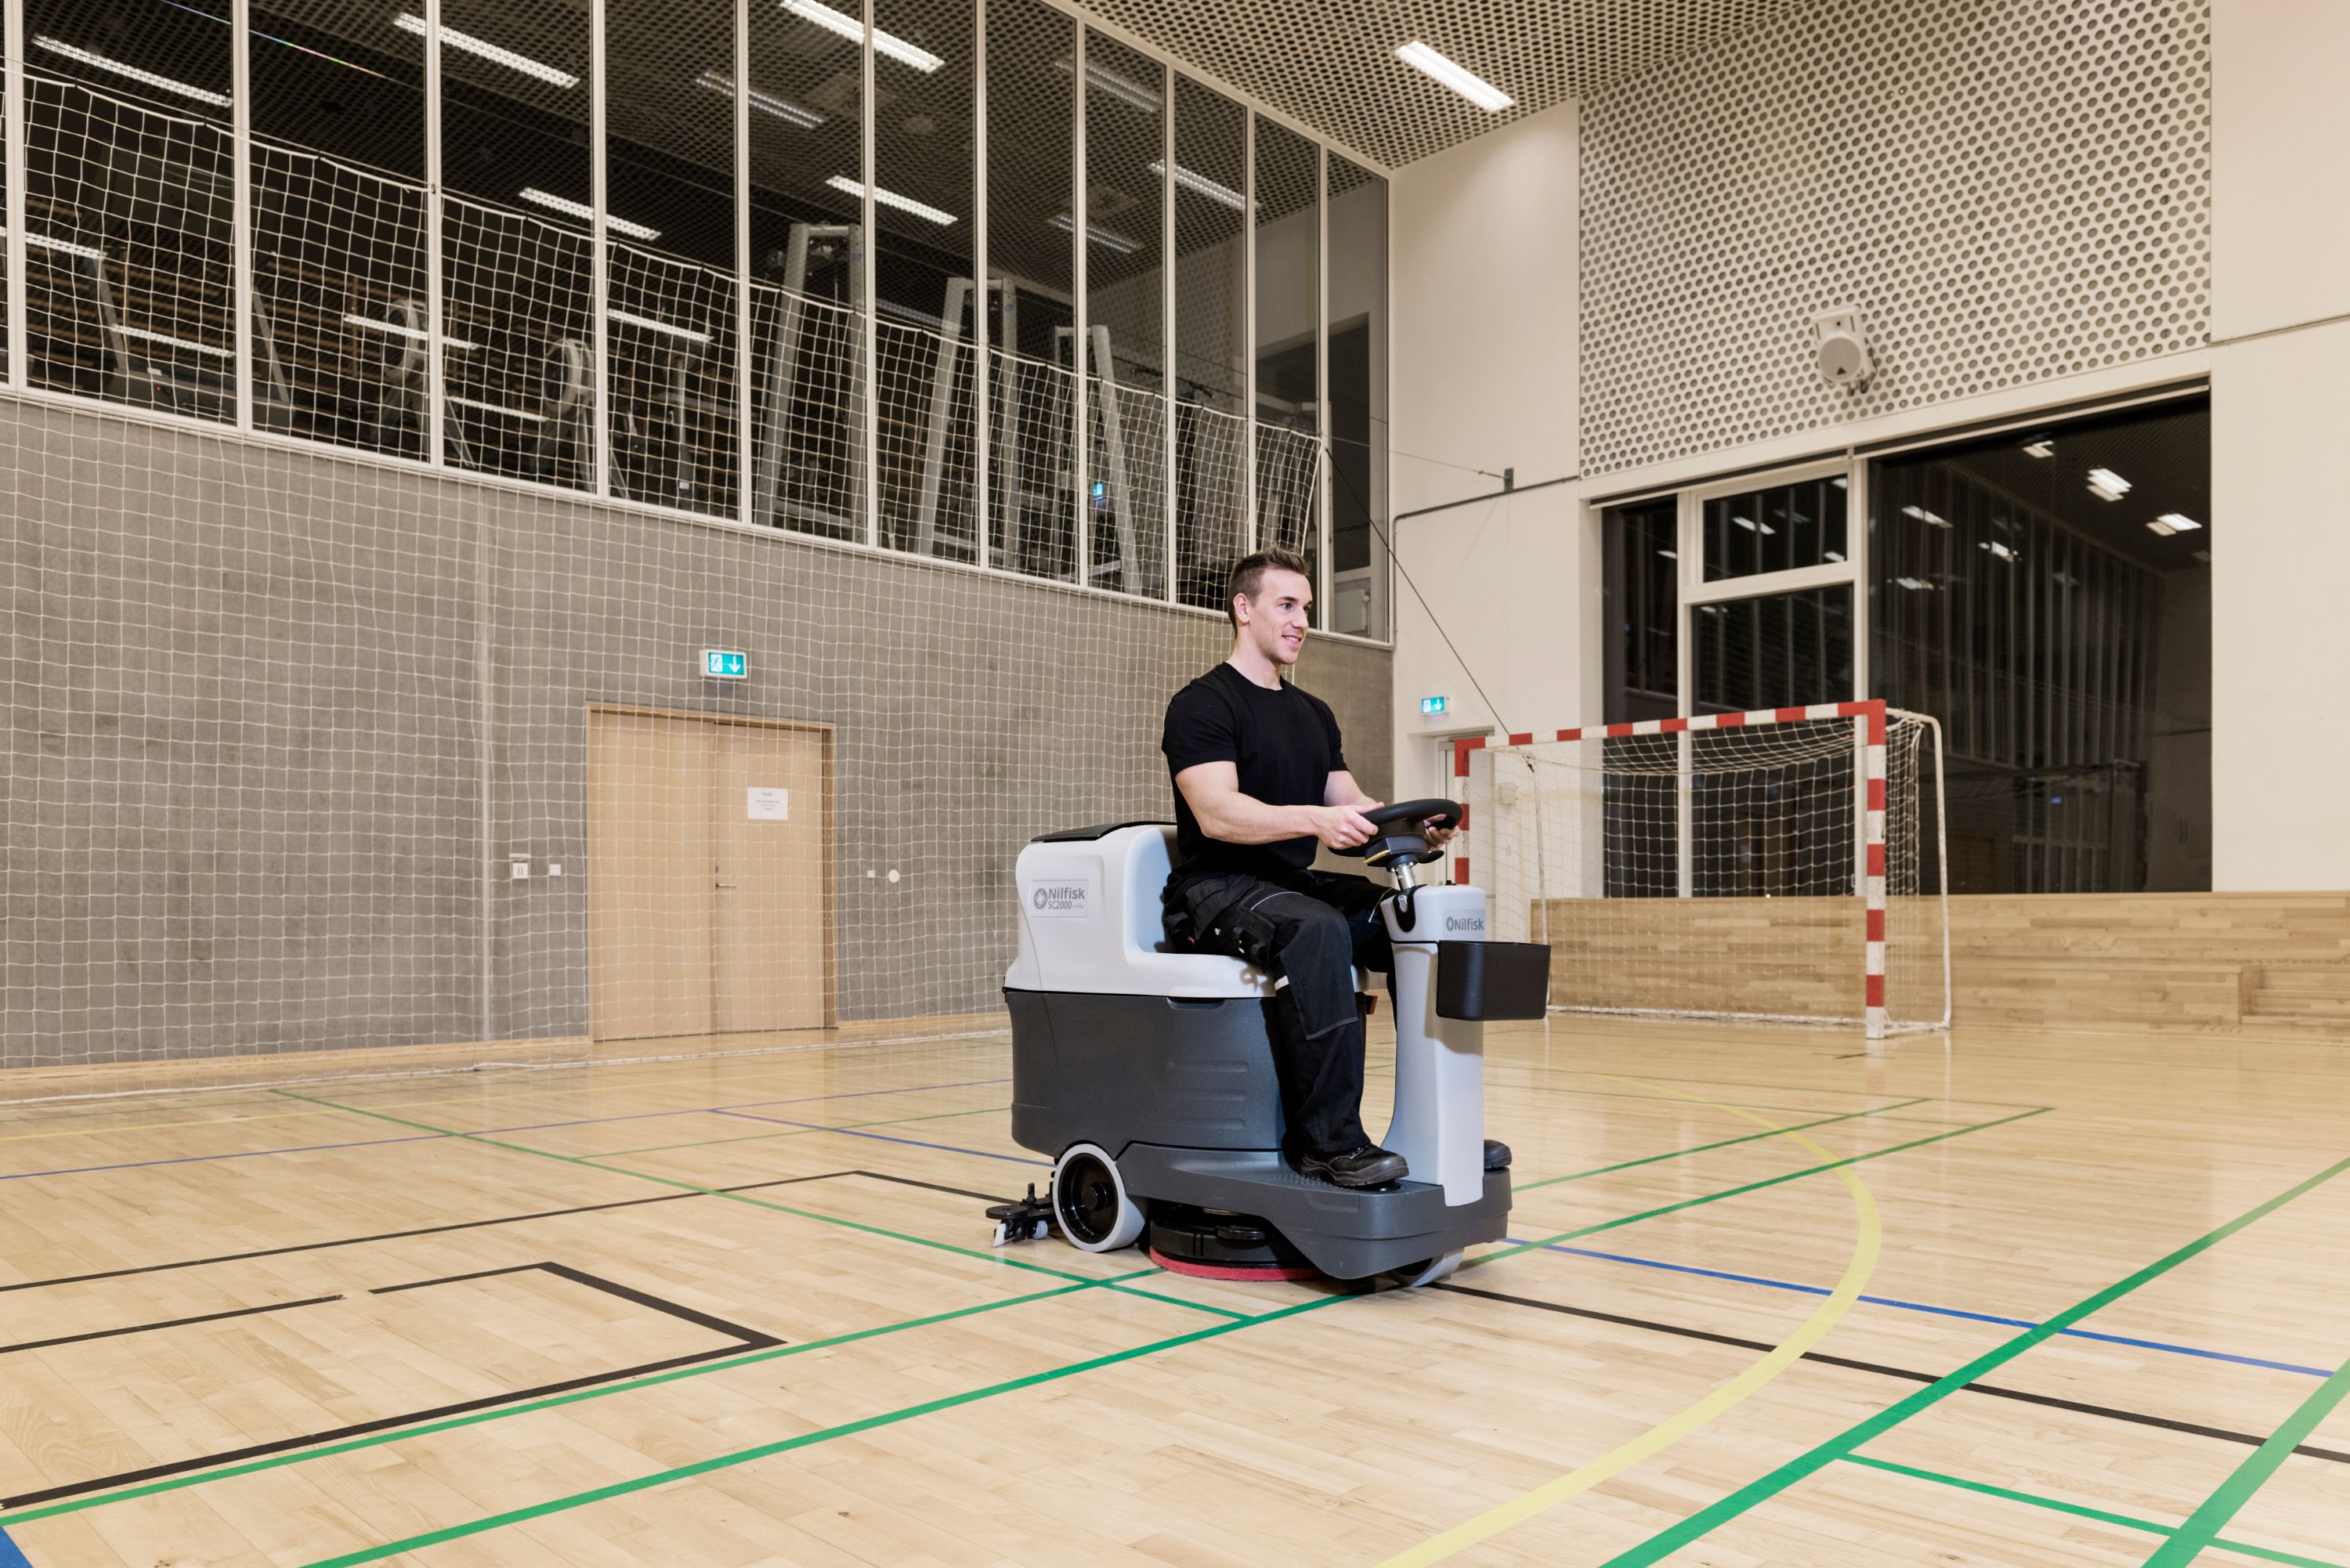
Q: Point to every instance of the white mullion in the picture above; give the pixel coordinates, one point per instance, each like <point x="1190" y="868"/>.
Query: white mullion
<point x="18" y="356"/>
<point x="436" y="324"/>
<point x="1080" y="445"/>
<point x="1856" y="547"/>
<point x="1248" y="335"/>
<point x="981" y="366"/>
<point x="1322" y="490"/>
<point x="240" y="27"/>
<point x="746" y="357"/>
<point x="1688" y="567"/>
<point x="868" y="357"/>
<point x="1763" y="584"/>
<point x="1167" y="357"/>
<point x="599" y="267"/>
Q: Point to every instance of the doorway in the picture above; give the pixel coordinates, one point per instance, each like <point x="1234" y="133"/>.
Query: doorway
<point x="709" y="888"/>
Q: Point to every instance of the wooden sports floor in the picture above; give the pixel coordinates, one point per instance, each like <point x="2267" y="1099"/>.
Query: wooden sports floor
<point x="2001" y="1299"/>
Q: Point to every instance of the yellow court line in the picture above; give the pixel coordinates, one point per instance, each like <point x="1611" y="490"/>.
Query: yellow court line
<point x="1868" y="1243"/>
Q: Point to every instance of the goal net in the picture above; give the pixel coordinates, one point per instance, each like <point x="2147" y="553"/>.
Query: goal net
<point x="1781" y="866"/>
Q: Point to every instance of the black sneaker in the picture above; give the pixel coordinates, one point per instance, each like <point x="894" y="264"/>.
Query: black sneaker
<point x="1497" y="1155"/>
<point x="1369" y="1166"/>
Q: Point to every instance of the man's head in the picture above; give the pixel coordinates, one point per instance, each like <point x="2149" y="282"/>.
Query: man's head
<point x="1269" y="598"/>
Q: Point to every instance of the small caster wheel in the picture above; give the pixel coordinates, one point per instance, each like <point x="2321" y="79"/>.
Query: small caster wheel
<point x="1414" y="1275"/>
<point x="1089" y="1201"/>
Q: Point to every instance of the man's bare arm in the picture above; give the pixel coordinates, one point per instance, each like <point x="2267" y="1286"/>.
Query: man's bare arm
<point x="1212" y="790"/>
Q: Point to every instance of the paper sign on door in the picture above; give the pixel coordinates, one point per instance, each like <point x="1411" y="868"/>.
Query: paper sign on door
<point x="769" y="804"/>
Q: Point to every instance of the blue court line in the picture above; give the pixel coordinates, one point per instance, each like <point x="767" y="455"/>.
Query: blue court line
<point x="1945" y="1311"/>
<point x="11" y="1554"/>
<point x="428" y="1138"/>
<point x="885" y="1137"/>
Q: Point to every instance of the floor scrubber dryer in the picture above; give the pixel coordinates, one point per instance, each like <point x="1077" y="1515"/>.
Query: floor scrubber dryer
<point x="1147" y="1074"/>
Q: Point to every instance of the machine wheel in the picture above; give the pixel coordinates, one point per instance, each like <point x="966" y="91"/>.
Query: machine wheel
<point x="1413" y="1275"/>
<point x="1089" y="1201"/>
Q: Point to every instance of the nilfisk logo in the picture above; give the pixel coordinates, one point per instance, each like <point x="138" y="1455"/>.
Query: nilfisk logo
<point x="1066" y="898"/>
<point x="1464" y="923"/>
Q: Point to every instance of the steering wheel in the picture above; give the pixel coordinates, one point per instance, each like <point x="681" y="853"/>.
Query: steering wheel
<point x="1401" y="837"/>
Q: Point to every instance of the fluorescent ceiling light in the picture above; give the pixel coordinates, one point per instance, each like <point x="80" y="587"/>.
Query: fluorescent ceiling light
<point x="842" y="183"/>
<point x="1467" y="83"/>
<point x="409" y="22"/>
<point x="586" y="214"/>
<point x="1839" y="482"/>
<point x="649" y="325"/>
<point x="1713" y="610"/>
<point x="2179" y="521"/>
<point x="124" y="69"/>
<point x="1203" y="185"/>
<point x="1668" y="556"/>
<point x="1115" y="86"/>
<point x="141" y="332"/>
<point x="401" y="329"/>
<point x="1109" y="239"/>
<point x="2105" y="482"/>
<point x="2043" y="447"/>
<point x="1923" y="515"/>
<point x="1996" y="548"/>
<point x="783" y="109"/>
<point x="908" y="313"/>
<point x="1753" y="527"/>
<point x="850" y="27"/>
<point x="526" y="416"/>
<point x="1833" y="555"/>
<point x="63" y="247"/>
<point x="1915" y="585"/>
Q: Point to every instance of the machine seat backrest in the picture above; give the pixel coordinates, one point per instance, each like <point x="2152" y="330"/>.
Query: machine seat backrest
<point x="1090" y="921"/>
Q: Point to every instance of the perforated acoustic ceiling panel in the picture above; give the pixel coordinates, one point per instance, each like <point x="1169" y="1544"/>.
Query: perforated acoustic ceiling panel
<point x="2009" y="190"/>
<point x="1333" y="68"/>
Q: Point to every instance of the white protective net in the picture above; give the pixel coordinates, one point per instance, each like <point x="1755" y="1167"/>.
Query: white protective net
<point x="1717" y="873"/>
<point x="318" y="749"/>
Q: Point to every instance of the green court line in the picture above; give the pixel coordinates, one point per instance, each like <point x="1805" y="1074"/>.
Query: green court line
<point x="2102" y="1515"/>
<point x="795" y="1132"/>
<point x="784" y="1446"/>
<point x="373" y="1440"/>
<point x="1763" y="1489"/>
<point x="578" y="1499"/>
<point x="1703" y="1147"/>
<point x="991" y="1257"/>
<point x="2203" y="1526"/>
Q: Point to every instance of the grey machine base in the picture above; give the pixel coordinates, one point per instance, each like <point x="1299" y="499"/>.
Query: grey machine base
<point x="1183" y="1094"/>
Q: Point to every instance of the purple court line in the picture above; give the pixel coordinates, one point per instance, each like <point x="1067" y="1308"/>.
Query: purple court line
<point x="484" y="1132"/>
<point x="1943" y="1311"/>
<point x="885" y="1137"/>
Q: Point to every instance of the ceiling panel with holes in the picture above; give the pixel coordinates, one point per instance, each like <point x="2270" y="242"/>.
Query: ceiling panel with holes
<point x="1332" y="67"/>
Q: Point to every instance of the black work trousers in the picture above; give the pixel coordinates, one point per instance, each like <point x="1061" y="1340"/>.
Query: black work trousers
<point x="1311" y="931"/>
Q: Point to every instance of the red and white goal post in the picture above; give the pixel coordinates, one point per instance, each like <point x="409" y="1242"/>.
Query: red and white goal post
<point x="1772" y="866"/>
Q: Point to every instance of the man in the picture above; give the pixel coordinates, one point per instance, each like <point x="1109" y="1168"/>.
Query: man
<point x="1260" y="779"/>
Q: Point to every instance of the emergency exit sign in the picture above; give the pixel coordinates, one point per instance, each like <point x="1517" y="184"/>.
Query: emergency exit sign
<point x="1431" y="706"/>
<point x="719" y="664"/>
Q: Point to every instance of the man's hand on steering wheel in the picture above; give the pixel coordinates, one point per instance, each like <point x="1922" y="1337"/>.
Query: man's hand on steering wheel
<point x="1343" y="827"/>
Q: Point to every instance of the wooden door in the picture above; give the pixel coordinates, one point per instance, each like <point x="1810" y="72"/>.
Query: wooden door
<point x="774" y="878"/>
<point x="650" y="899"/>
<point x="709" y="875"/>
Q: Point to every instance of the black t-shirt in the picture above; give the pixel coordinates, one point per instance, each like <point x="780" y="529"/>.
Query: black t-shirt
<point x="1284" y="744"/>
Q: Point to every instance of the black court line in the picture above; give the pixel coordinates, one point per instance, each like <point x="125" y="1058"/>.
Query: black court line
<point x="167" y="1323"/>
<point x="2249" y="1439"/>
<point x="431" y="1231"/>
<point x="744" y="1340"/>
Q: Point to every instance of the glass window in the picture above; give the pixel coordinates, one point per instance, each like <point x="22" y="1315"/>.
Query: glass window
<point x="1126" y="165"/>
<point x="1775" y="650"/>
<point x="1359" y="399"/>
<point x="669" y="318"/>
<point x="515" y="235"/>
<point x="1210" y="358"/>
<point x="1031" y="250"/>
<point x="1640" y="605"/>
<point x="128" y="284"/>
<point x="1776" y="528"/>
<point x="1288" y="317"/>
<point x="807" y="267"/>
<point x="2047" y="597"/>
<point x="338" y="258"/>
<point x="925" y="231"/>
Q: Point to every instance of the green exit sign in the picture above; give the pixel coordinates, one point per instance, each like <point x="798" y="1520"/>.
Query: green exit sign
<point x="719" y="664"/>
<point x="1431" y="704"/>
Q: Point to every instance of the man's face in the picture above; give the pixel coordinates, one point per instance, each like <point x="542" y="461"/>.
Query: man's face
<point x="1275" y="620"/>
